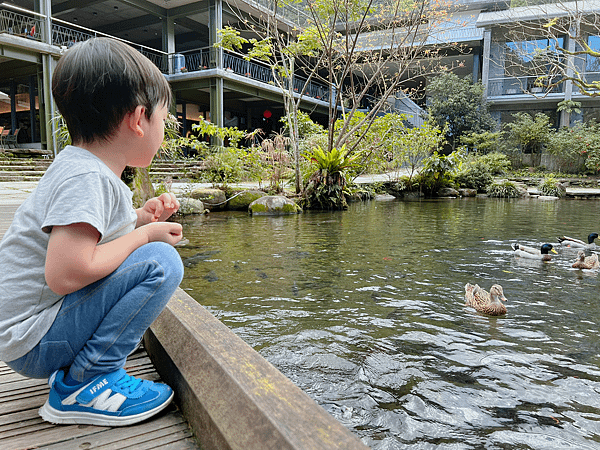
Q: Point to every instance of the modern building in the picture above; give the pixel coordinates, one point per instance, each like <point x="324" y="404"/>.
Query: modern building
<point x="511" y="39"/>
<point x="222" y="86"/>
<point x="177" y="35"/>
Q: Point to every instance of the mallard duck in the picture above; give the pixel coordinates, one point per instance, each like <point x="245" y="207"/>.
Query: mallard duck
<point x="570" y="242"/>
<point x="586" y="262"/>
<point x="525" y="251"/>
<point x="484" y="302"/>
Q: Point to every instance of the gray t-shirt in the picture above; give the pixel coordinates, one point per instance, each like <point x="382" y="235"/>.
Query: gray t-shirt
<point x="77" y="188"/>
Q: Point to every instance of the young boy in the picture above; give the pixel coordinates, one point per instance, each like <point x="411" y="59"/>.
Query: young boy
<point x="83" y="274"/>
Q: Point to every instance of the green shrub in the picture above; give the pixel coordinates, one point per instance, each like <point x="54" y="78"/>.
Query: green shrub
<point x="530" y="133"/>
<point x="497" y="163"/>
<point x="400" y="186"/>
<point x="438" y="171"/>
<point x="474" y="175"/>
<point x="503" y="189"/>
<point x="482" y="143"/>
<point x="551" y="186"/>
<point x="227" y="165"/>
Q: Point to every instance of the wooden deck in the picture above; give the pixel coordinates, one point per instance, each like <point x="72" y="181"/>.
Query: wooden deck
<point x="22" y="428"/>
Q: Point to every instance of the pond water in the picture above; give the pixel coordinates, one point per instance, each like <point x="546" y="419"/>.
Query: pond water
<point x="364" y="310"/>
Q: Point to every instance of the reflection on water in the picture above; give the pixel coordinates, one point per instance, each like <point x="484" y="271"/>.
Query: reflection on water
<point x="364" y="310"/>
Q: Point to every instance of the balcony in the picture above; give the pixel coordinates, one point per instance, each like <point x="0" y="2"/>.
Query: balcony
<point x="525" y="85"/>
<point x="64" y="35"/>
<point x="18" y="24"/>
<point x="236" y="63"/>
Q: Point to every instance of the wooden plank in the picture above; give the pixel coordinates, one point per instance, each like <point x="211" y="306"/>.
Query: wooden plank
<point x="74" y="436"/>
<point x="22" y="428"/>
<point x="147" y="435"/>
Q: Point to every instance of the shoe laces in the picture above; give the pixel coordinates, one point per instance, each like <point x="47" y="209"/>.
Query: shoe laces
<point x="128" y="382"/>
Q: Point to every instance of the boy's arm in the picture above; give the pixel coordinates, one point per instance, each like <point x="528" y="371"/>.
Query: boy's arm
<point x="74" y="260"/>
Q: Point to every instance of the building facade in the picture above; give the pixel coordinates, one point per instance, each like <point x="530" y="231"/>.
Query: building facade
<point x="222" y="86"/>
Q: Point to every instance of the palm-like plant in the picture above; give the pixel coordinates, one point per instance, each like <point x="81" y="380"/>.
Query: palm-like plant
<point x="327" y="185"/>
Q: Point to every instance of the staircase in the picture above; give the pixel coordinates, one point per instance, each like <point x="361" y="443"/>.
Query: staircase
<point x="176" y="170"/>
<point x="22" y="169"/>
<point x="30" y="167"/>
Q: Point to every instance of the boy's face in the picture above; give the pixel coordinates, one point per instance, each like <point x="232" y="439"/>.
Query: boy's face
<point x="154" y="134"/>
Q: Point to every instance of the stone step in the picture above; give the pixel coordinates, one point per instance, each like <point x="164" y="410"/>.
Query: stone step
<point x="21" y="168"/>
<point x="29" y="153"/>
<point x="175" y="176"/>
<point x="31" y="169"/>
<point x="24" y="173"/>
<point x="18" y="176"/>
<point x="25" y="162"/>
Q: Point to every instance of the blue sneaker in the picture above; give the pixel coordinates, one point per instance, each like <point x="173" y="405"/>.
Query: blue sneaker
<point x="112" y="399"/>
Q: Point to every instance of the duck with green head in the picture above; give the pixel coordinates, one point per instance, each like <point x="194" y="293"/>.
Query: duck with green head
<point x="569" y="242"/>
<point x="524" y="251"/>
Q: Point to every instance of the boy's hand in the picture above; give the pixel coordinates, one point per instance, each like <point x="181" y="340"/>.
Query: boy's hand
<point x="158" y="209"/>
<point x="168" y="232"/>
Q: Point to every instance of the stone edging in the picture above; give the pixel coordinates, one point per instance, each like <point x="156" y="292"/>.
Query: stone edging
<point x="231" y="396"/>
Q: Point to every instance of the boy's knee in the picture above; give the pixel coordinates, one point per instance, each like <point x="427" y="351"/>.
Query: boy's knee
<point x="168" y="258"/>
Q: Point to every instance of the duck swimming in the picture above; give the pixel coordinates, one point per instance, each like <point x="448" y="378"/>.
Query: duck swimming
<point x="586" y="262"/>
<point x="484" y="302"/>
<point x="570" y="242"/>
<point x="525" y="251"/>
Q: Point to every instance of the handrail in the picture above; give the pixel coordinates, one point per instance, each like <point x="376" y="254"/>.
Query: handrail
<point x="199" y="59"/>
<point x="20" y="25"/>
<point x="293" y="14"/>
<point x="518" y="85"/>
<point x="28" y="24"/>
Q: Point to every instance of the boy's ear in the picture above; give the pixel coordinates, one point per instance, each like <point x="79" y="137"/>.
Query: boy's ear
<point x="134" y="120"/>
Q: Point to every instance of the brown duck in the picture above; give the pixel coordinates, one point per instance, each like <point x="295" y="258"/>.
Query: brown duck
<point x="586" y="262"/>
<point x="484" y="302"/>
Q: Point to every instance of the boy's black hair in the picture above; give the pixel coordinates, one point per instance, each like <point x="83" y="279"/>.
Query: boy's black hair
<point x="98" y="81"/>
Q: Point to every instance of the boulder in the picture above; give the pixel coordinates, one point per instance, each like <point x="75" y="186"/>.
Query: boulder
<point x="191" y="206"/>
<point x="523" y="192"/>
<point x="213" y="199"/>
<point x="241" y="200"/>
<point x="413" y="195"/>
<point x="273" y="205"/>
<point x="448" y="192"/>
<point x="384" y="197"/>
<point x="467" y="192"/>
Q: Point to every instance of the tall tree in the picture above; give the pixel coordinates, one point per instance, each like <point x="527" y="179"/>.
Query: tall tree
<point x="459" y="105"/>
<point x="362" y="49"/>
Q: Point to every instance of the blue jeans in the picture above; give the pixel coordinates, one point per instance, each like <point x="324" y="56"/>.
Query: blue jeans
<point x="98" y="326"/>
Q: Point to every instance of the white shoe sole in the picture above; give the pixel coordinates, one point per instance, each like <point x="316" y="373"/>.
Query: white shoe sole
<point x="52" y="415"/>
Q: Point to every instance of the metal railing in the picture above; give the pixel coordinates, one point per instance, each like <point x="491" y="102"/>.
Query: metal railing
<point x="506" y="86"/>
<point x="63" y="34"/>
<point x="200" y="59"/>
<point x="19" y="24"/>
<point x="591" y="78"/>
<point x="288" y="12"/>
<point x="65" y="37"/>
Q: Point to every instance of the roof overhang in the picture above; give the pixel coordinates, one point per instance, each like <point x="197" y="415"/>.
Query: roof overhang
<point x="538" y="12"/>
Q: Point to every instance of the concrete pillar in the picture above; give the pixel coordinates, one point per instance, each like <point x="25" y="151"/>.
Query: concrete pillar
<point x="485" y="67"/>
<point x="168" y="41"/>
<point x="32" y="92"/>
<point x="476" y="65"/>
<point x="565" y="116"/>
<point x="215" y="23"/>
<point x="13" y="106"/>
<point x="49" y="111"/>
